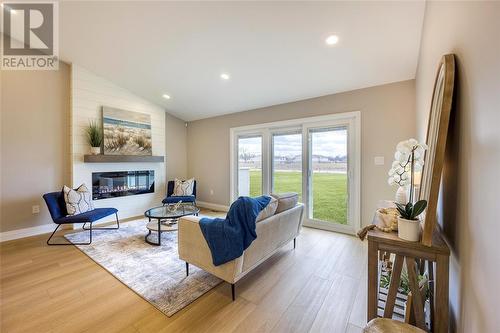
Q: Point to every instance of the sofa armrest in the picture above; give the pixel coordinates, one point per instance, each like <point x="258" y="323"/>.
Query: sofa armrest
<point x="193" y="248"/>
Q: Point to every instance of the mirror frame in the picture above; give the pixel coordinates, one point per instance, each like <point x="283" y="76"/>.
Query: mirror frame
<point x="437" y="131"/>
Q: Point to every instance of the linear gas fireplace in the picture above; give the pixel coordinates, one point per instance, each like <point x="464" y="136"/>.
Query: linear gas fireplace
<point x="122" y="183"/>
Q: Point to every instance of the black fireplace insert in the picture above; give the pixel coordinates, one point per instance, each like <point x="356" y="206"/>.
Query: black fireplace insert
<point x="122" y="183"/>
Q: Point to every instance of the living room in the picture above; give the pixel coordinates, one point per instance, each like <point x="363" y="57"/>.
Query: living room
<point x="249" y="166"/>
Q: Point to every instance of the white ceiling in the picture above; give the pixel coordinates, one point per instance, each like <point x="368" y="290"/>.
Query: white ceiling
<point x="274" y="51"/>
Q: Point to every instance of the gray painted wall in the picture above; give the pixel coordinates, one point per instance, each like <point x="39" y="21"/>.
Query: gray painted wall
<point x="176" y="136"/>
<point x="34" y="143"/>
<point x="387" y="112"/>
<point x="469" y="196"/>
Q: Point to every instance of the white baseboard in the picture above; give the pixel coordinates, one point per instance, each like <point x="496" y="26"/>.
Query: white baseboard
<point x="26" y="232"/>
<point x="46" y="228"/>
<point x="212" y="206"/>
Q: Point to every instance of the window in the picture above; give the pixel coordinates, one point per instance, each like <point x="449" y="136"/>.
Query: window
<point x="329" y="189"/>
<point x="287" y="163"/>
<point x="317" y="157"/>
<point x="250" y="166"/>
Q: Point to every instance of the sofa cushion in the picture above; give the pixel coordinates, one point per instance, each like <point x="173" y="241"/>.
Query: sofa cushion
<point x="286" y="201"/>
<point x="268" y="211"/>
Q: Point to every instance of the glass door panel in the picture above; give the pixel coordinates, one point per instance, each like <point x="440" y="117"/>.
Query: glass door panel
<point x="328" y="170"/>
<point x="317" y="157"/>
<point x="250" y="166"/>
<point x="287" y="163"/>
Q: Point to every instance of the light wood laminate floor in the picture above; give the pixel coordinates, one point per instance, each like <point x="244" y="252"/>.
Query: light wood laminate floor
<point x="318" y="287"/>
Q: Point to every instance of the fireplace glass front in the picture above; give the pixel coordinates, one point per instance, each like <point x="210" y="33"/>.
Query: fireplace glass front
<point x="122" y="183"/>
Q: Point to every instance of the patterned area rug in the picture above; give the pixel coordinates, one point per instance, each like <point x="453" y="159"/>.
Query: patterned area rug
<point x="154" y="272"/>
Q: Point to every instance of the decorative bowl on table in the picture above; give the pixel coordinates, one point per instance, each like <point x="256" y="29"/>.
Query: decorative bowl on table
<point x="174" y="207"/>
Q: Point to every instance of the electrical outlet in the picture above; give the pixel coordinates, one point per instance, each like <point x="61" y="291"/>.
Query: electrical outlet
<point x="35" y="209"/>
<point x="211" y="192"/>
<point x="379" y="160"/>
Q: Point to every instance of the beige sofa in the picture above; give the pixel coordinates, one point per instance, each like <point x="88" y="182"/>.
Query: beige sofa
<point x="272" y="233"/>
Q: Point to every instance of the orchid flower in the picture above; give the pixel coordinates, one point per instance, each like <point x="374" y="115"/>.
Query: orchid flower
<point x="408" y="158"/>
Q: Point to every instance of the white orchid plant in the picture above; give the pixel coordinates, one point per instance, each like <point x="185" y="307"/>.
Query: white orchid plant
<point x="408" y="159"/>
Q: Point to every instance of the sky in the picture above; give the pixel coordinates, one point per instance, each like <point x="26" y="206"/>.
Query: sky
<point x="332" y="143"/>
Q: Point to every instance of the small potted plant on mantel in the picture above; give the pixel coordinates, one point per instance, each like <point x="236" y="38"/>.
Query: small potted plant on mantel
<point x="409" y="158"/>
<point x="94" y="137"/>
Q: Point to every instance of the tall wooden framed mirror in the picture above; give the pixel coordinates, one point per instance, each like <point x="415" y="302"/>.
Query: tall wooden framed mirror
<point x="437" y="131"/>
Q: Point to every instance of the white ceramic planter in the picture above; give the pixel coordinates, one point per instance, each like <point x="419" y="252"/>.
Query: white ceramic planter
<point x="408" y="229"/>
<point x="95" y="150"/>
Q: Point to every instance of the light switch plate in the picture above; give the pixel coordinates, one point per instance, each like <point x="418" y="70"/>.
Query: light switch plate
<point x="379" y="160"/>
<point x="35" y="209"/>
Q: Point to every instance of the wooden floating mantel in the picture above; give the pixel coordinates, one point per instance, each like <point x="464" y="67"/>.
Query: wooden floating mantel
<point x="121" y="158"/>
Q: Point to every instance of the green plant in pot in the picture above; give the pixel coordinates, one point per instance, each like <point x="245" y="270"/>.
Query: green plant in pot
<point x="94" y="137"/>
<point x="408" y="222"/>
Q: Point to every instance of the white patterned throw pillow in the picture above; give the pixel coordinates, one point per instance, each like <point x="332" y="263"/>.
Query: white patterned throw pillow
<point x="78" y="201"/>
<point x="183" y="187"/>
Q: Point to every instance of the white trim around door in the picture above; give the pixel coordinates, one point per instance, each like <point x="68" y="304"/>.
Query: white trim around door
<point x="351" y="121"/>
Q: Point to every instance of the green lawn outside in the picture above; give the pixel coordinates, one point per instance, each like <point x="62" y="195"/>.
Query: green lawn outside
<point x="330" y="192"/>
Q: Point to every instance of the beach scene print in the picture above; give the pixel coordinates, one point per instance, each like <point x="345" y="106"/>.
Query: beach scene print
<point x="126" y="132"/>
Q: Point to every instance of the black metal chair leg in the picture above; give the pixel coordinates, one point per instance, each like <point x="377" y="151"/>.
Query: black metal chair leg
<point x="187" y="268"/>
<point x="48" y="240"/>
<point x="68" y="243"/>
<point x="105" y="228"/>
<point x="159" y="232"/>
<point x="233" y="292"/>
<point x="194" y="204"/>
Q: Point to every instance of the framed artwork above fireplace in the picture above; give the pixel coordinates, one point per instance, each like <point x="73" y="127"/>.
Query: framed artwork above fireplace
<point x="126" y="132"/>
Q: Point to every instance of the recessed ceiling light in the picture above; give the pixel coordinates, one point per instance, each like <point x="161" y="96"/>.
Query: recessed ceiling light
<point x="166" y="96"/>
<point x="332" y="40"/>
<point x="224" y="76"/>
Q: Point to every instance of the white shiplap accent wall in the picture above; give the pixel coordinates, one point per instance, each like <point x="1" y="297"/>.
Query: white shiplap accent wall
<point x="89" y="93"/>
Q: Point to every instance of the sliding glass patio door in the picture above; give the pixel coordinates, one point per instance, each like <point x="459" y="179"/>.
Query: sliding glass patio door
<point x="328" y="176"/>
<point x="317" y="157"/>
<point x="249" y="171"/>
<point x="287" y="162"/>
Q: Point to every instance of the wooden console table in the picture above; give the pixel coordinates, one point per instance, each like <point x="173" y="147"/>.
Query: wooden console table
<point x="410" y="252"/>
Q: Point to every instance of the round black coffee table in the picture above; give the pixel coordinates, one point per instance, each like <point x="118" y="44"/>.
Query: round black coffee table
<point x="166" y="219"/>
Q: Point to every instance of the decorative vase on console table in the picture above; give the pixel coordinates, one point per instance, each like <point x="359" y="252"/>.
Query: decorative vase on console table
<point x="402" y="195"/>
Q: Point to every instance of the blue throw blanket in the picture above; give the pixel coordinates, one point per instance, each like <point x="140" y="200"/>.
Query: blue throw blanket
<point x="228" y="238"/>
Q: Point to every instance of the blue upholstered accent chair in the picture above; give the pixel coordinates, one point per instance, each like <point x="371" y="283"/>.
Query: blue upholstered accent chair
<point x="171" y="199"/>
<point x="57" y="208"/>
